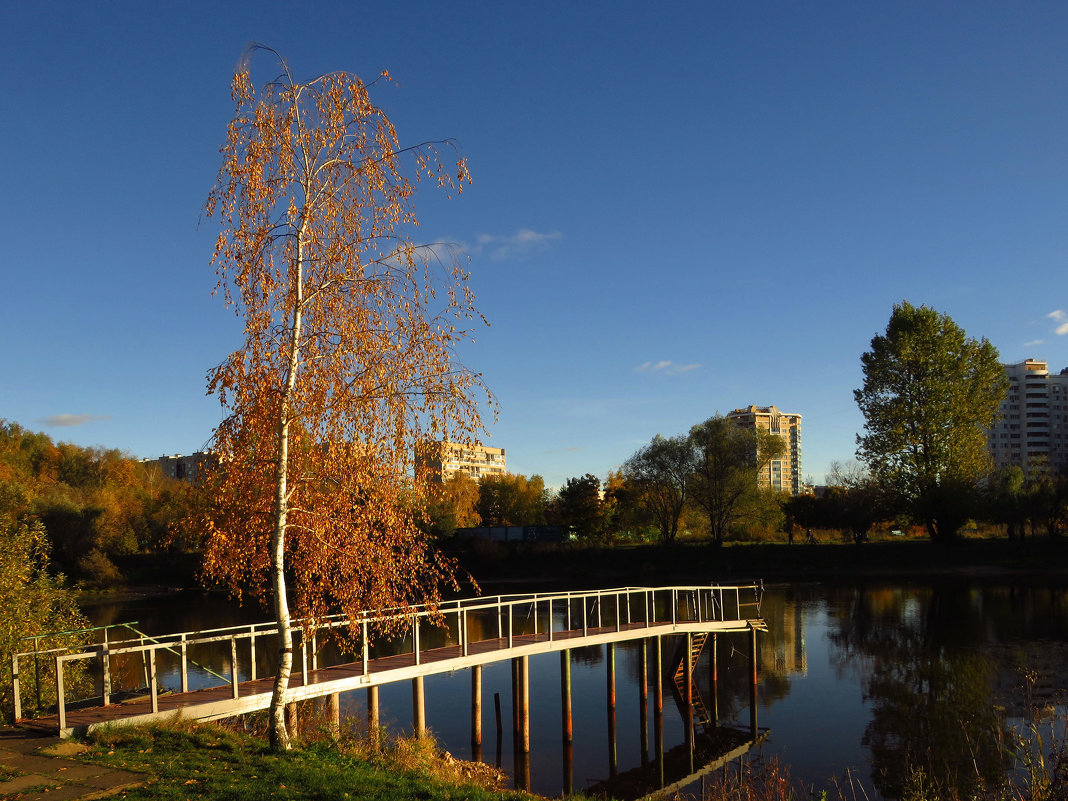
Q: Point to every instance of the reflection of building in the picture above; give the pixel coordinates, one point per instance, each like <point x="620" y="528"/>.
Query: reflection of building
<point x="782" y="649"/>
<point x="780" y="474"/>
<point x="183" y="468"/>
<point x="1034" y="418"/>
<point x="439" y="461"/>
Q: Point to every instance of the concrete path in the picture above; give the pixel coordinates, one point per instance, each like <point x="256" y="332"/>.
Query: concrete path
<point x="37" y="766"/>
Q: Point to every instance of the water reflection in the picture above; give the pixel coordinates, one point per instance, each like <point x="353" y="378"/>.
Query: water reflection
<point x="864" y="676"/>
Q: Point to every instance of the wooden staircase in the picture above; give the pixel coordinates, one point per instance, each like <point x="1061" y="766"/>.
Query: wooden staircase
<point x="700" y="711"/>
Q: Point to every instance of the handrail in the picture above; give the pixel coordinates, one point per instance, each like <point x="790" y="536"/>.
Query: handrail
<point x="687" y="604"/>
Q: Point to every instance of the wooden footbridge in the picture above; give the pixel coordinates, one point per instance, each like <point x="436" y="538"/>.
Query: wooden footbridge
<point x="461" y="634"/>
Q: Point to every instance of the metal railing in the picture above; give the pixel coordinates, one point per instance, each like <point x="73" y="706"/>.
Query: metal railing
<point x="542" y="614"/>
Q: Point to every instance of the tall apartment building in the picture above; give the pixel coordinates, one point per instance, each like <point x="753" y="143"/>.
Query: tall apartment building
<point x="780" y="474"/>
<point x="1034" y="418"/>
<point x="440" y="460"/>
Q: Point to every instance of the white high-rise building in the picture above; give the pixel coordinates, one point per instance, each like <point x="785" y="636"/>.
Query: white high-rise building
<point x="1033" y="429"/>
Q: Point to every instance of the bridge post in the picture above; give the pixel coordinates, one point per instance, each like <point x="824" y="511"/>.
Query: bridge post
<point x="333" y="713"/>
<point x="613" y="763"/>
<point x="753" y="681"/>
<point x="372" y="716"/>
<point x="464" y="633"/>
<point x="524" y="676"/>
<point x="251" y="652"/>
<point x="415" y="639"/>
<point x="658" y="705"/>
<point x="565" y="696"/>
<point x="715" y="681"/>
<point x="418" y="706"/>
<point x="476" y="706"/>
<point x="643" y="701"/>
<point x="687" y="679"/>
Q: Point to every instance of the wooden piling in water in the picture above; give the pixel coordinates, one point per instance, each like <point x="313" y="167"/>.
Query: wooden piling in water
<point x="643" y="702"/>
<point x="333" y="714"/>
<point x="418" y="707"/>
<point x="565" y="696"/>
<point x="613" y="756"/>
<point x="476" y="706"/>
<point x="373" y="733"/>
<point x="753" y="681"/>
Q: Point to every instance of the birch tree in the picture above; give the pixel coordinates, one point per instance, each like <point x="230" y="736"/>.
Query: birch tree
<point x="348" y="357"/>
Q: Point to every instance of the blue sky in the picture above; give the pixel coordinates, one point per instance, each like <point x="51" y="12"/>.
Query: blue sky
<point x="677" y="209"/>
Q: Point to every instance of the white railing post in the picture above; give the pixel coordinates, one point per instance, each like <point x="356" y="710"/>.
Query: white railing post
<point x="303" y="658"/>
<point x="567" y="614"/>
<point x="585" y="617"/>
<point x="105" y="671"/>
<point x="61" y="706"/>
<point x="153" y="686"/>
<point x="233" y="665"/>
<point x="511" y="606"/>
<point x="598" y="609"/>
<point x="674" y="606"/>
<point x="15" y="687"/>
<point x="464" y="632"/>
<point x="549" y="624"/>
<point x="185" y="666"/>
<point x="415" y="636"/>
<point x="535" y="617"/>
<point x="315" y="649"/>
<point x="252" y="652"/>
<point x="366" y="647"/>
<point x="500" y="633"/>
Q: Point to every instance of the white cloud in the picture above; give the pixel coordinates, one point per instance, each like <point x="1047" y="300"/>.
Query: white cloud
<point x="513" y="246"/>
<point x="1034" y="342"/>
<point x="1060" y="318"/>
<point x="62" y="420"/>
<point x="665" y="367"/>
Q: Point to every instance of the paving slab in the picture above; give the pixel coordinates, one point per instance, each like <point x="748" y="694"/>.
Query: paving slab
<point x="45" y="764"/>
<point x="25" y="782"/>
<point x="66" y="792"/>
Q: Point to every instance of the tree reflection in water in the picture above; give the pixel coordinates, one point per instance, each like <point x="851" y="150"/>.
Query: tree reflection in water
<point x="931" y="692"/>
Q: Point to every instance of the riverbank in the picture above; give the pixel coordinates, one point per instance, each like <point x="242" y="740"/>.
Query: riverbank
<point x="496" y="567"/>
<point x="209" y="761"/>
<point x="574" y="565"/>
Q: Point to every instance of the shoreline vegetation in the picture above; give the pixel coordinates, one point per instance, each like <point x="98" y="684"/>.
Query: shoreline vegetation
<point x="585" y="565"/>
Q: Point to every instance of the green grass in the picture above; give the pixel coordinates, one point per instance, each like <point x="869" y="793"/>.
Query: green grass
<point x="208" y="761"/>
<point x="8" y="773"/>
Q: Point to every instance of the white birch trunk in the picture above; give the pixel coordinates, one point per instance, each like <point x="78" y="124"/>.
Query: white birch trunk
<point x="279" y="735"/>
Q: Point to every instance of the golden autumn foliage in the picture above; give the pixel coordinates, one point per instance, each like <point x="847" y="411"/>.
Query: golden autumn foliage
<point x="348" y="355"/>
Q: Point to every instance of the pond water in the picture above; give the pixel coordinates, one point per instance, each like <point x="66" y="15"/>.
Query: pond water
<point x="860" y="677"/>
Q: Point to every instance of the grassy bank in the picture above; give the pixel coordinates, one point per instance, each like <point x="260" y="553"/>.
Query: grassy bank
<point x="209" y="761"/>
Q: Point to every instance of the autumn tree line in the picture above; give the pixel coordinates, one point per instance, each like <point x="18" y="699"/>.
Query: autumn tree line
<point x="95" y="505"/>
